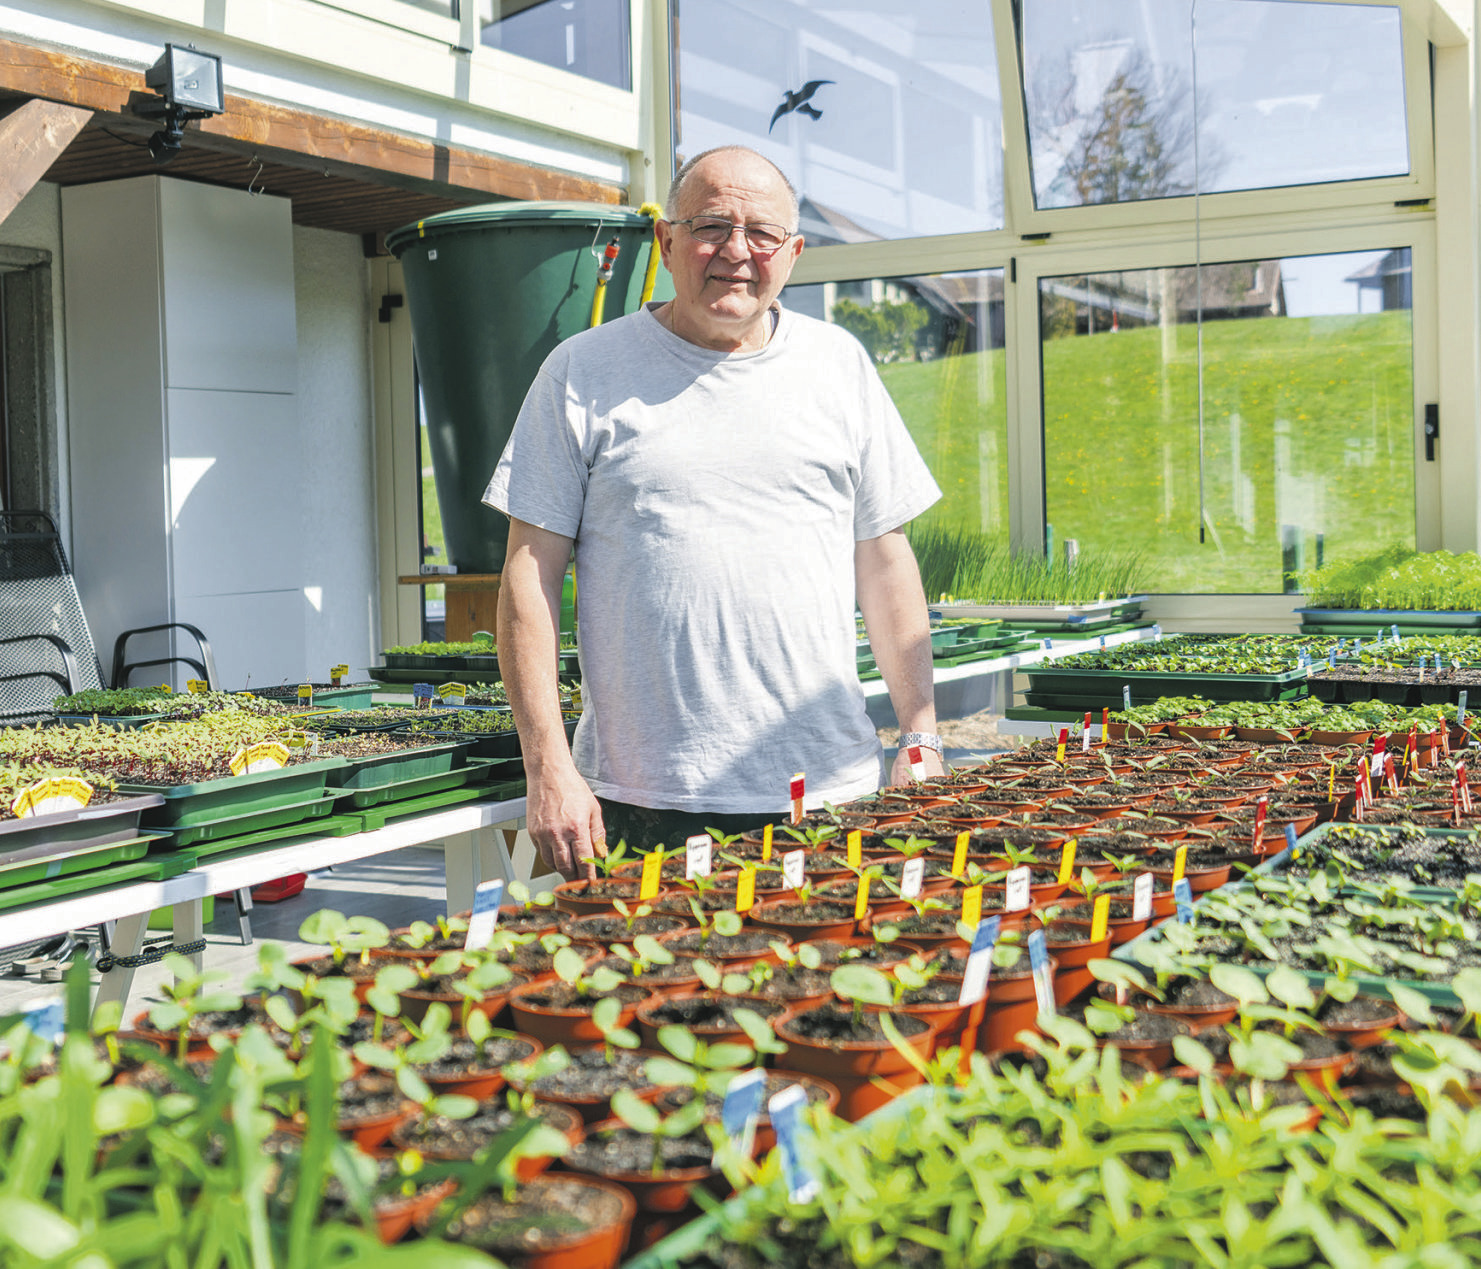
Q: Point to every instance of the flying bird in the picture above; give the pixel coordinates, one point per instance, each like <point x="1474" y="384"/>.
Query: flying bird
<point x="798" y="101"/>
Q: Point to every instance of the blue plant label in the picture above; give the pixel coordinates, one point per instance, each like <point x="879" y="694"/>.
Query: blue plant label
<point x="742" y="1106"/>
<point x="47" y="1020"/>
<point x="1439" y="665"/>
<point x="1397" y="637"/>
<point x="786" y="1118"/>
<point x="1332" y="659"/>
<point x="1102" y="643"/>
<point x="1291" y="836"/>
<point x="423" y="694"/>
<point x="1157" y="633"/>
<point x="1341" y="643"/>
<point x="1182" y="894"/>
<point x="1038" y="960"/>
<point x="486" y="900"/>
<point x="979" y="961"/>
<point x="1126" y="696"/>
<point x="1048" y="645"/>
<point x="1460" y="709"/>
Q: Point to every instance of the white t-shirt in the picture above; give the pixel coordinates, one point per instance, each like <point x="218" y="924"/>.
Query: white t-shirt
<point x="715" y="500"/>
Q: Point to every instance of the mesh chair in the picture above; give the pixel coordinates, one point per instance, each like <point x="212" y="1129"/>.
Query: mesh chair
<point x="46" y="647"/>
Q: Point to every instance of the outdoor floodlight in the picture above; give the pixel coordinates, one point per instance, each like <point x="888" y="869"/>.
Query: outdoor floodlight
<point x="189" y="85"/>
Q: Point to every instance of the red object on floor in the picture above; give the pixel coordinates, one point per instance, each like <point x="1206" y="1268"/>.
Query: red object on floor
<point x="282" y="888"/>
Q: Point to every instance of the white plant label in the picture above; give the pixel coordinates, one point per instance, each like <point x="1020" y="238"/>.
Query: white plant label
<point x="1126" y="696"/>
<point x="1038" y="959"/>
<point x="979" y="962"/>
<point x="1141" y="897"/>
<point x="486" y="900"/>
<point x="1017" y="897"/>
<point x="911" y="877"/>
<point x="698" y="852"/>
<point x="794" y="869"/>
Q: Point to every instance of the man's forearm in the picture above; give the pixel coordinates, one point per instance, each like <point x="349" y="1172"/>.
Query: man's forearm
<point x="899" y="627"/>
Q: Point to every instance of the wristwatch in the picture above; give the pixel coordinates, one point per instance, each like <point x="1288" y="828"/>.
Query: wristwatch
<point x="925" y="739"/>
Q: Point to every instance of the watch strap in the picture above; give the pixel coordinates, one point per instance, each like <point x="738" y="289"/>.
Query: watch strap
<point x="925" y="739"/>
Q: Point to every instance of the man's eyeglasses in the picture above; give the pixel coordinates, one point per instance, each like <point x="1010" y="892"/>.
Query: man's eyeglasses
<point x="762" y="237"/>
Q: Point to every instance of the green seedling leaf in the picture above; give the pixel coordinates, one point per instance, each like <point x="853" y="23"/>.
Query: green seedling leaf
<point x="1243" y="984"/>
<point x="568" y="964"/>
<point x="634" y="1112"/>
<point x="665" y="1072"/>
<point x="863" y="984"/>
<point x="1415" y="1005"/>
<point x="728" y="923"/>
<point x="1289" y="986"/>
<point x="1193" y="1055"/>
<point x="679" y="1041"/>
<point x="324" y="926"/>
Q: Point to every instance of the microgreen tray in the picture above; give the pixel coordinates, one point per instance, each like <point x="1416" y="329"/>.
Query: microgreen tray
<point x="150" y="868"/>
<point x="390" y="768"/>
<point x="312" y="806"/>
<point x="468" y="772"/>
<point x="121" y="722"/>
<point x="1429" y="894"/>
<point x="210" y="800"/>
<point x="1148" y="685"/>
<point x="37" y="835"/>
<point x="20" y="872"/>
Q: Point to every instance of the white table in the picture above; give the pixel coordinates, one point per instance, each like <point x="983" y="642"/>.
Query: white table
<point x="474" y="852"/>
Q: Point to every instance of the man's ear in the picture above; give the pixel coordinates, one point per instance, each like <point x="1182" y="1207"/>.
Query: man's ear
<point x="665" y="232"/>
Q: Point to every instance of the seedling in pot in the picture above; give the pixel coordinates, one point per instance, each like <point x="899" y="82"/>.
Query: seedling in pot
<point x="188" y="996"/>
<point x="865" y="985"/>
<point x="1261" y="1055"/>
<point x="1437" y="1065"/>
<point x="631" y="915"/>
<point x="420" y="934"/>
<point x="328" y="1003"/>
<point x="705" y="1068"/>
<point x="910" y="846"/>
<point x="384" y="997"/>
<point x="725" y="923"/>
<point x="645" y="1119"/>
<point x="431" y="1042"/>
<point x="483" y="978"/>
<point x="570" y="968"/>
<point x="814" y="837"/>
<point x="606" y="1016"/>
<point x="607" y="864"/>
<point x="643" y="955"/>
<point x="344" y="936"/>
<point x="519" y="893"/>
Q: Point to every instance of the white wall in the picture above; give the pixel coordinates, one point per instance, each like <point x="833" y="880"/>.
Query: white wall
<point x="36" y="222"/>
<point x="335" y="312"/>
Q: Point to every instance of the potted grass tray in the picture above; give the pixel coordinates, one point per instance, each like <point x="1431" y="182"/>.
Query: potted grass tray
<point x="1377" y="854"/>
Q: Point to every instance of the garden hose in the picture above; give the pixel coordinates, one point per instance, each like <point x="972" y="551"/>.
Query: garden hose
<point x="604" y="275"/>
<point x="655" y="213"/>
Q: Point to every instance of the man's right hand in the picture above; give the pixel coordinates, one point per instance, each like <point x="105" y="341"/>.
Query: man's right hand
<point x="565" y="823"/>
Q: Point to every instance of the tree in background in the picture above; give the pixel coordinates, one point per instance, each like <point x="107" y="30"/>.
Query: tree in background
<point x="886" y="329"/>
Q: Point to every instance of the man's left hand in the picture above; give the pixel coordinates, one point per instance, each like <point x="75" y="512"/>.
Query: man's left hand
<point x="931" y="760"/>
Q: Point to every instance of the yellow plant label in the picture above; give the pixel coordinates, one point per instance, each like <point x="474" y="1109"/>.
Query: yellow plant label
<point x="1100" y="918"/>
<point x="855" y="855"/>
<point x="303" y="740"/>
<point x="745" y="889"/>
<point x="453" y="693"/>
<point x="338" y="674"/>
<point x="861" y="899"/>
<point x="972" y="905"/>
<point x="766" y="844"/>
<point x="959" y="855"/>
<point x="197" y="687"/>
<point x="576" y="698"/>
<point x="652" y="871"/>
<point x="305" y="693"/>
<point x="267" y="756"/>
<point x="1067" y="861"/>
<point x="1179" y="863"/>
<point x="52" y="796"/>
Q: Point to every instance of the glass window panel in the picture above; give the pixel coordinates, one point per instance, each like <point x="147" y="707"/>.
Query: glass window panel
<point x="1287" y="94"/>
<point x="938" y="343"/>
<point x="1308" y="418"/>
<point x="586" y="37"/>
<point x="902" y="140"/>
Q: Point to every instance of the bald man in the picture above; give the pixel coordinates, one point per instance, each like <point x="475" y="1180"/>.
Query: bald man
<point x="734" y="480"/>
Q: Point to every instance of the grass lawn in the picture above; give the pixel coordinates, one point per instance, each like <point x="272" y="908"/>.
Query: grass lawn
<point x="1308" y="423"/>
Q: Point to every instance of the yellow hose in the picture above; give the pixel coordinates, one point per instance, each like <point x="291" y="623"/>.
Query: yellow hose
<point x="598" y="302"/>
<point x="654" y="212"/>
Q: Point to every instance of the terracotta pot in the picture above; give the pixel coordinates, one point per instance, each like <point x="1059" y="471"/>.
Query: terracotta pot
<point x="1364" y="1035"/>
<point x="666" y="1192"/>
<point x="393" y="1221"/>
<point x="1199" y="879"/>
<point x="575" y="898"/>
<point x="568" y="1026"/>
<point x="1007" y="806"/>
<point x="415" y="1003"/>
<point x="648" y="1025"/>
<point x="479" y="1084"/>
<point x="853" y="1066"/>
<point x="599" y="1248"/>
<point x="367" y="1132"/>
<point x="581" y="928"/>
<point x="802" y="931"/>
<point x="1192" y="731"/>
<point x="1012" y="1007"/>
<point x="197" y="1048"/>
<point x="1325" y="1072"/>
<point x="593" y="1108"/>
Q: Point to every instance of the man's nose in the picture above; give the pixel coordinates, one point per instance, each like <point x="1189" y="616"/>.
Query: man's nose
<point x="740" y="250"/>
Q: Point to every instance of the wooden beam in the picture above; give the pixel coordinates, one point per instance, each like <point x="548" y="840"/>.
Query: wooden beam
<point x="297" y="137"/>
<point x="31" y="137"/>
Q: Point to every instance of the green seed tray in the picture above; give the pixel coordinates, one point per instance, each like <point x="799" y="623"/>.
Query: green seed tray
<point x="1365" y="621"/>
<point x="283" y="835"/>
<point x="391" y="768"/>
<point x="1430" y="894"/>
<point x="122" y="722"/>
<point x="212" y="800"/>
<point x="373" y="818"/>
<point x="312" y="807"/>
<point x="472" y="771"/>
<point x="21" y="872"/>
<point x="1148" y="685"/>
<point x="150" y="868"/>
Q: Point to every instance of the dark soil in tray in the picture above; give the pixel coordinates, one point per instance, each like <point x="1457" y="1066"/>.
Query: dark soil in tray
<point x="623" y="1150"/>
<point x="592" y="1073"/>
<point x="708" y="1013"/>
<point x="617" y="929"/>
<point x="932" y="922"/>
<point x="840" y="1024"/>
<point x="1148" y="1027"/>
<point x="544" y="1214"/>
<point x="464" y="1057"/>
<point x="564" y="996"/>
<point x="1375" y="1064"/>
<point x="611" y="888"/>
<point x="1410" y="853"/>
<point x="815" y="912"/>
<point x="1357" y="1012"/>
<point x="371" y="745"/>
<point x="794" y="984"/>
<point x="681" y="967"/>
<point x="446" y="985"/>
<point x="466" y="1136"/>
<point x="708" y="901"/>
<point x="834" y="953"/>
<point x="746" y="942"/>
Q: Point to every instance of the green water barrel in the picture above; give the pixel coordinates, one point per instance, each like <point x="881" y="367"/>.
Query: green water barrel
<point x="491" y="291"/>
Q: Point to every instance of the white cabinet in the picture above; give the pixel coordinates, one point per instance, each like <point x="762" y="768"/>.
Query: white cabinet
<point x="182" y="369"/>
